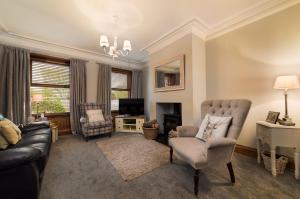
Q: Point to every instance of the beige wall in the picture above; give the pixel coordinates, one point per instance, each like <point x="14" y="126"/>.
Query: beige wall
<point x="186" y="96"/>
<point x="244" y="64"/>
<point x="199" y="76"/>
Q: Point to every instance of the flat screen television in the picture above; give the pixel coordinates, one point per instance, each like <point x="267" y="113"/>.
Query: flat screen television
<point x="131" y="106"/>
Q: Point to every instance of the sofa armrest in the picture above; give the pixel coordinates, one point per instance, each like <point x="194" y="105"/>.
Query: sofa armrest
<point x="35" y="126"/>
<point x="187" y="131"/>
<point x="16" y="157"/>
<point x="220" y="142"/>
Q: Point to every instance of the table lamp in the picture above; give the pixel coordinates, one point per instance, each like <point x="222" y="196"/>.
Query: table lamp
<point x="286" y="83"/>
<point x="37" y="98"/>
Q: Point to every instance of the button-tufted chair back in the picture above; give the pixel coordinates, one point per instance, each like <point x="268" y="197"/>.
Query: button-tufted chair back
<point x="90" y="106"/>
<point x="238" y="109"/>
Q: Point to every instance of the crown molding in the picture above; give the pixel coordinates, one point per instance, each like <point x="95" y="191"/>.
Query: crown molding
<point x="249" y="15"/>
<point x="207" y="32"/>
<point x="55" y="49"/>
<point x="3" y="28"/>
<point x="193" y="26"/>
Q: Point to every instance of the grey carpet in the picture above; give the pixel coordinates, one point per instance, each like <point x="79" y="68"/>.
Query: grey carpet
<point x="78" y="169"/>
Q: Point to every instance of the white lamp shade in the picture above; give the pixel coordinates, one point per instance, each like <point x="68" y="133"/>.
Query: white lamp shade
<point x="37" y="97"/>
<point x="287" y="82"/>
<point x="104" y="41"/>
<point x="127" y="45"/>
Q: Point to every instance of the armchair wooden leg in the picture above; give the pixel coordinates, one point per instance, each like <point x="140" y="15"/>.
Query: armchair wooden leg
<point x="196" y="182"/>
<point x="171" y="154"/>
<point x="231" y="173"/>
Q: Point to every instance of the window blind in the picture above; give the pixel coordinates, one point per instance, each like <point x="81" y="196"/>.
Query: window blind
<point x="53" y="74"/>
<point x="52" y="82"/>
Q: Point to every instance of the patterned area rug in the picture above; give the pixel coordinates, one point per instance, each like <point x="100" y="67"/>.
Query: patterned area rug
<point x="133" y="155"/>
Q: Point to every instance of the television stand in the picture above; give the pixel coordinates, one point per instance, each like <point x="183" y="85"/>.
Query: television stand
<point x="133" y="124"/>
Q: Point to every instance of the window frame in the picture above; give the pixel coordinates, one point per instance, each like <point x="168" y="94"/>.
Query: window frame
<point x="49" y="60"/>
<point x="128" y="73"/>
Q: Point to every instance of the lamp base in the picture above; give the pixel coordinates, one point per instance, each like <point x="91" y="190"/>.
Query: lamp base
<point x="286" y="121"/>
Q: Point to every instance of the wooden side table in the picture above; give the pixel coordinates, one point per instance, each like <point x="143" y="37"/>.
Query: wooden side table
<point x="277" y="135"/>
<point x="54" y="129"/>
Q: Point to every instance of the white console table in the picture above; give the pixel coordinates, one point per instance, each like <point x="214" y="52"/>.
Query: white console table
<point x="277" y="135"/>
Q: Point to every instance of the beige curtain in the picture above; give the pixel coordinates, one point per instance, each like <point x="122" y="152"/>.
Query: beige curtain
<point x="137" y="84"/>
<point x="104" y="87"/>
<point x="15" y="84"/>
<point x="77" y="92"/>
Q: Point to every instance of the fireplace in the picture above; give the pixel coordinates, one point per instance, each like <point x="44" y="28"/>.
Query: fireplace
<point x="171" y="121"/>
<point x="169" y="117"/>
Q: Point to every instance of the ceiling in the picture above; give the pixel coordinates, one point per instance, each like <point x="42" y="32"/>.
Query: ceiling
<point x="78" y="23"/>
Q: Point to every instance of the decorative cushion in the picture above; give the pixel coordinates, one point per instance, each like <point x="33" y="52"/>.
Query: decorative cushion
<point x="94" y="125"/>
<point x="10" y="131"/>
<point x="3" y="142"/>
<point x="95" y="115"/>
<point x="213" y="126"/>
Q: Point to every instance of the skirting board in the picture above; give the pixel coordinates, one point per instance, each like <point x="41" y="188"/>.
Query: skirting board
<point x="252" y="152"/>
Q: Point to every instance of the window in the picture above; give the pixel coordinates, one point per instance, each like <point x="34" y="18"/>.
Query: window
<point x="120" y="86"/>
<point x="50" y="85"/>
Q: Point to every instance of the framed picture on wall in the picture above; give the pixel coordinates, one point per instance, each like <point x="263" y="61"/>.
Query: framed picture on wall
<point x="272" y="117"/>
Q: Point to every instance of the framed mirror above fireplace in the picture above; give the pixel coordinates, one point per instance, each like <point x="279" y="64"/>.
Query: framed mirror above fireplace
<point x="169" y="75"/>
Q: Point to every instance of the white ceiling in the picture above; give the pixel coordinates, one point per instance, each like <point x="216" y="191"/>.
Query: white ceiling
<point x="78" y="23"/>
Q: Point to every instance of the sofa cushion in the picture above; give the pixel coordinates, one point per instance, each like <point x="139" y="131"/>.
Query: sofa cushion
<point x="191" y="150"/>
<point x="41" y="138"/>
<point x="94" y="125"/>
<point x="44" y="148"/>
<point x="36" y="132"/>
<point x="35" y="126"/>
<point x="12" y="158"/>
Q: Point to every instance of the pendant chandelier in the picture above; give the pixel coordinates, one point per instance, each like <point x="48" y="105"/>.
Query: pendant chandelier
<point x="112" y="50"/>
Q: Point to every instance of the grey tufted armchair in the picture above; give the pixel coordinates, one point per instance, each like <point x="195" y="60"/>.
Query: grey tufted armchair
<point x="215" y="151"/>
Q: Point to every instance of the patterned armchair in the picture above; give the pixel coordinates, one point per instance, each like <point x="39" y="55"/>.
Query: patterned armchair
<point x="94" y="128"/>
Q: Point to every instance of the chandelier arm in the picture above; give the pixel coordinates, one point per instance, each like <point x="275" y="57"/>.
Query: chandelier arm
<point x="113" y="51"/>
<point x="121" y="52"/>
<point x="126" y="52"/>
<point x="105" y="51"/>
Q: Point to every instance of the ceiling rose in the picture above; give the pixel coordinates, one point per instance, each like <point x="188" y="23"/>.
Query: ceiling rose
<point x="99" y="12"/>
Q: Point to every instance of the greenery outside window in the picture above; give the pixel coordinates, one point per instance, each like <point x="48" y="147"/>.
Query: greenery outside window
<point x="120" y="86"/>
<point x="50" y="78"/>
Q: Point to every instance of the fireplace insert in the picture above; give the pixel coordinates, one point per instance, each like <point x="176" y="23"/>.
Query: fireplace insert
<point x="171" y="121"/>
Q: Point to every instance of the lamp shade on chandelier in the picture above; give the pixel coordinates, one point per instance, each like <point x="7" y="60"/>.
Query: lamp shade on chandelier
<point x="113" y="50"/>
